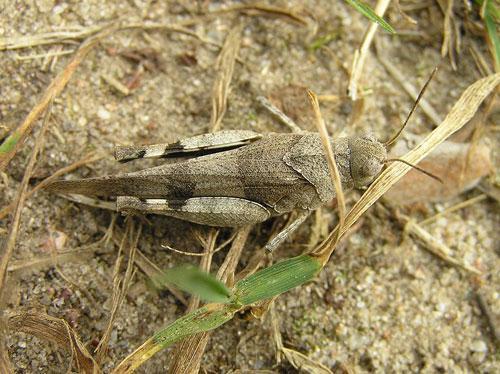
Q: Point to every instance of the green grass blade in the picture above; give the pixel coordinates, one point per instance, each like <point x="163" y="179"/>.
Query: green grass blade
<point x="9" y="143"/>
<point x="203" y="319"/>
<point x="495" y="41"/>
<point x="262" y="285"/>
<point x="276" y="279"/>
<point x="196" y="282"/>
<point x="490" y="9"/>
<point x="321" y="41"/>
<point x="368" y="12"/>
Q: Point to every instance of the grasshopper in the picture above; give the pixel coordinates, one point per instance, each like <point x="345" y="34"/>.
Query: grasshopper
<point x="243" y="178"/>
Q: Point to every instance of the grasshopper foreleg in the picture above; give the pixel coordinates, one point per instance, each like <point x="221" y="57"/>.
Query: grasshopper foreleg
<point x="279" y="114"/>
<point x="286" y="231"/>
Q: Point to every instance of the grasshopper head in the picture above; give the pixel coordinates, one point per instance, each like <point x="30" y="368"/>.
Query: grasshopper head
<point x="367" y="159"/>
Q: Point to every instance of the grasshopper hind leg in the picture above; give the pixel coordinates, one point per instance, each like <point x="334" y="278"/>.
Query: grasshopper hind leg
<point x="211" y="211"/>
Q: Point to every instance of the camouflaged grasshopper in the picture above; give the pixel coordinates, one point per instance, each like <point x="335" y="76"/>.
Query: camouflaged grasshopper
<point x="244" y="179"/>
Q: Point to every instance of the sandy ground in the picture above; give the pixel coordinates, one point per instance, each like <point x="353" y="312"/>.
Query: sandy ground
<point x="382" y="304"/>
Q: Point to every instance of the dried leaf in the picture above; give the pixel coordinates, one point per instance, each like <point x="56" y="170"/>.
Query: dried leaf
<point x="55" y="330"/>
<point x="448" y="162"/>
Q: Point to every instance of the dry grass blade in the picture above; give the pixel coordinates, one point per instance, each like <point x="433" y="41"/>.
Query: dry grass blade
<point x="332" y="165"/>
<point x="116" y="84"/>
<point x="68" y="35"/>
<point x="228" y="267"/>
<point x="435" y="246"/>
<point x="120" y="284"/>
<point x="460" y="114"/>
<point x="8" y="247"/>
<point x="206" y="262"/>
<point x="15" y="140"/>
<point x="29" y="41"/>
<point x="447" y="48"/>
<point x="481" y="64"/>
<point x="225" y="69"/>
<point x="57" y="331"/>
<point x="84" y="161"/>
<point x="198" y="254"/>
<point x="5" y="364"/>
<point x="361" y="53"/>
<point x="63" y="36"/>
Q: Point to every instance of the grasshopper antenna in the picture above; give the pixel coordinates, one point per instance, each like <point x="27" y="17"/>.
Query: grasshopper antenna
<point x="421" y="93"/>
<point x="416" y="168"/>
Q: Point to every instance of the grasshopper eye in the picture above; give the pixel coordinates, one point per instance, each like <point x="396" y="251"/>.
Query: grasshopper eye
<point x="367" y="160"/>
<point x="369" y="171"/>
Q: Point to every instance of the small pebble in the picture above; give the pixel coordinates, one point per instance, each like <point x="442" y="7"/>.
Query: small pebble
<point x="103" y="114"/>
<point x="45" y="6"/>
<point x="478" y="346"/>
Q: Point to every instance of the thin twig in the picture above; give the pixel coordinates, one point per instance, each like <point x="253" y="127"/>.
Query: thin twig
<point x="287" y="121"/>
<point x="481" y="64"/>
<point x="46" y="261"/>
<point x="116" y="84"/>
